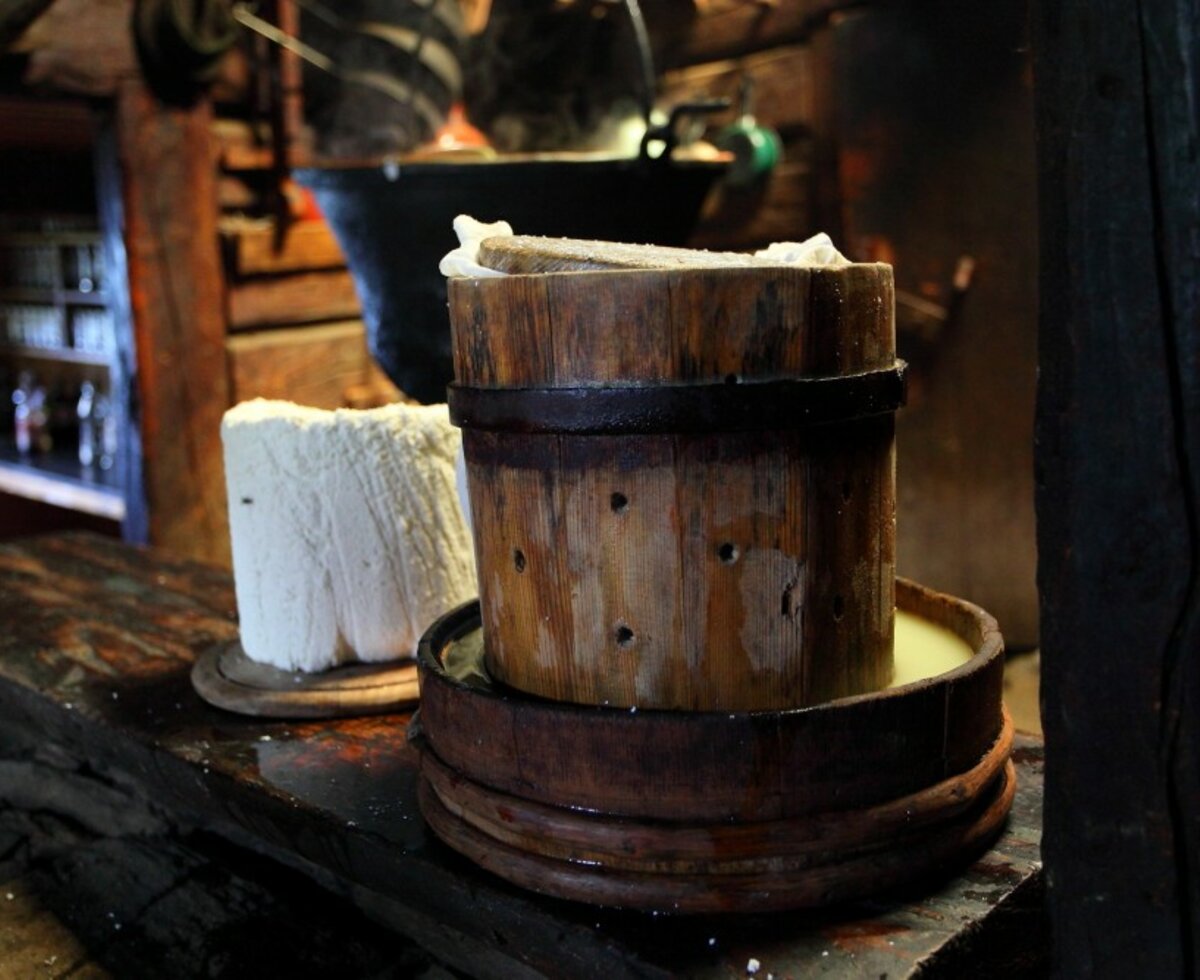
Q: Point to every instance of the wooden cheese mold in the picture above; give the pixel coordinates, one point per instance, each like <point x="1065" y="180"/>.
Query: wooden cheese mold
<point x="682" y="479"/>
<point x="703" y="811"/>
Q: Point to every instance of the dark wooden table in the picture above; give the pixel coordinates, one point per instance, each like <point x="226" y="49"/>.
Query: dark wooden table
<point x="97" y="643"/>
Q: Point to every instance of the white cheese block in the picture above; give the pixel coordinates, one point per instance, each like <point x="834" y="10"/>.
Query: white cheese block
<point x="348" y="539"/>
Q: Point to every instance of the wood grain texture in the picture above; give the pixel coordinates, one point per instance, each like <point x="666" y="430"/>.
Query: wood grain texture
<point x="738" y="27"/>
<point x="175" y="286"/>
<point x="782" y="96"/>
<point x="721" y="571"/>
<point x="1118" y="455"/>
<point x="251" y="247"/>
<point x="308" y="365"/>
<point x="305" y="297"/>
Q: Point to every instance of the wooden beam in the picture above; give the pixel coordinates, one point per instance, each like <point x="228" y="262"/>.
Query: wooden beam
<point x="179" y="323"/>
<point x="303" y="298"/>
<point x="307" y="365"/>
<point x="251" y="248"/>
<point x="783" y="90"/>
<point x="742" y="27"/>
<point x="1118" y="461"/>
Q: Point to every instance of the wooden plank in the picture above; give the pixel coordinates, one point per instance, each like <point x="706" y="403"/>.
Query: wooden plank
<point x="307" y="365"/>
<point x="306" y="297"/>
<point x="97" y="884"/>
<point x="1118" y="454"/>
<point x="251" y="248"/>
<point x="739" y="27"/>
<point x="236" y="194"/>
<point x="241" y="145"/>
<point x="176" y="288"/>
<point x="782" y="90"/>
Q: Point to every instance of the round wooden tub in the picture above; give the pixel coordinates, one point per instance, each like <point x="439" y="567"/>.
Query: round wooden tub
<point x="715" y="811"/>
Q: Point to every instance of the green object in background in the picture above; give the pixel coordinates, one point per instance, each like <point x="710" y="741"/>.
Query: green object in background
<point x="756" y="149"/>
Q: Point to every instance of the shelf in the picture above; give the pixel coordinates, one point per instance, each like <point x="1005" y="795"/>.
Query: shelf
<point x="66" y="355"/>
<point x="60" y="480"/>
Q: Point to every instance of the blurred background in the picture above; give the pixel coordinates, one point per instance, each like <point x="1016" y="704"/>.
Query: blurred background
<point x="203" y="203"/>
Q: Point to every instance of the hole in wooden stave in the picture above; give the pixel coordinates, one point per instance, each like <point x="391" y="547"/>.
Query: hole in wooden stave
<point x="519" y="560"/>
<point x="846" y="493"/>
<point x="619" y="503"/>
<point x="732" y="379"/>
<point x="728" y="553"/>
<point x="624" y="635"/>
<point x="839" y="607"/>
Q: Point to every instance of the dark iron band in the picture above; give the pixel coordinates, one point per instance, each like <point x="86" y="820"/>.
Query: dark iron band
<point x="794" y="403"/>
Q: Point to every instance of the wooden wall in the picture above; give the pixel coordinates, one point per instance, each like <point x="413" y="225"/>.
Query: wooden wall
<point x="1118" y="488"/>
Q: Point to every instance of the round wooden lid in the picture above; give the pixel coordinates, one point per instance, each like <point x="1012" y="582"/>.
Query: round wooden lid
<point x="225" y="677"/>
<point x="528" y="254"/>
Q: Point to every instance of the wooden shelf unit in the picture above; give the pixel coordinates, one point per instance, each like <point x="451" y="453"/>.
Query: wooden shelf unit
<point x="59" y="321"/>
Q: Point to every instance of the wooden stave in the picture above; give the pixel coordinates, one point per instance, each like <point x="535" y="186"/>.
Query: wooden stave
<point x="683" y="605"/>
<point x="715" y="328"/>
<point x="708" y="766"/>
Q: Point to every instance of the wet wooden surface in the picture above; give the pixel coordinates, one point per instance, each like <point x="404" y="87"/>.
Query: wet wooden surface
<point x="95" y="655"/>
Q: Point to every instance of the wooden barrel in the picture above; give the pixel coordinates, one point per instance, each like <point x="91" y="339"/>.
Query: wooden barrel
<point x="712" y="811"/>
<point x="682" y="480"/>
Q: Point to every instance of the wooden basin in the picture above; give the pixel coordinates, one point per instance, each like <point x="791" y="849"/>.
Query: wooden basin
<point x="709" y="811"/>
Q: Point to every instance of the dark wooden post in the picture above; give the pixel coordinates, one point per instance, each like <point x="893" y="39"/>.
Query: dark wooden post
<point x="1118" y="457"/>
<point x="177" y="294"/>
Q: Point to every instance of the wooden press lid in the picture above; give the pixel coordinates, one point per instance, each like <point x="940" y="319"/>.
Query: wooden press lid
<point x="530" y="254"/>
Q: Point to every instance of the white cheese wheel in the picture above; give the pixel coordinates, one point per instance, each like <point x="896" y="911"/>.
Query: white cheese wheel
<point x="348" y="539"/>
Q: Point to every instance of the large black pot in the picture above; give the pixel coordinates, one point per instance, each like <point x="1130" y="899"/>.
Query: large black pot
<point x="394" y="225"/>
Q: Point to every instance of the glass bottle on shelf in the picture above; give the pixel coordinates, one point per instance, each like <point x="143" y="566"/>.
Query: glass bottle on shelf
<point x="85" y="278"/>
<point x="87" y="432"/>
<point x="21" y="397"/>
